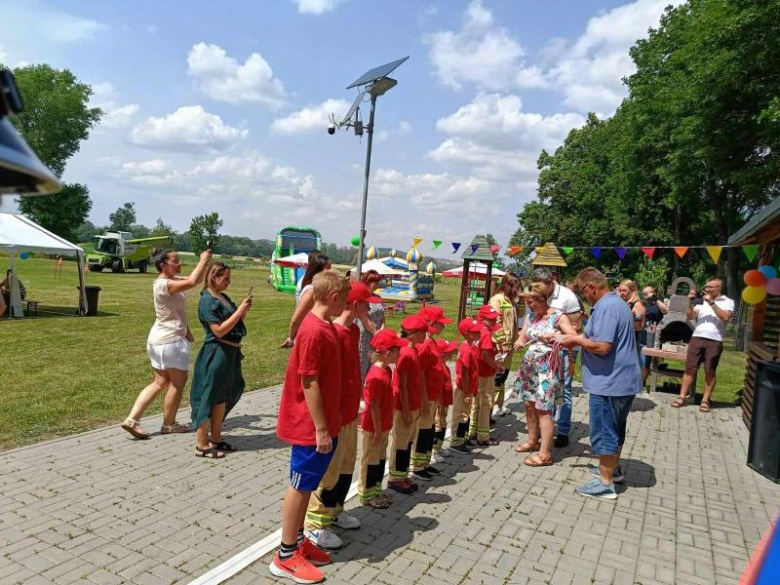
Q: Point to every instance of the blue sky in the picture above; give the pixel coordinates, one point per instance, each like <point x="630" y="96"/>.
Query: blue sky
<point x="223" y="106"/>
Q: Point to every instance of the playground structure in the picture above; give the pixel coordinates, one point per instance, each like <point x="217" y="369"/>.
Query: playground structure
<point x="405" y="282"/>
<point x="292" y="240"/>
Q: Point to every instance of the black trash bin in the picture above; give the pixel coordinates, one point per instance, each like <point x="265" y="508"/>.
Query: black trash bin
<point x="764" y="445"/>
<point x="93" y="293"/>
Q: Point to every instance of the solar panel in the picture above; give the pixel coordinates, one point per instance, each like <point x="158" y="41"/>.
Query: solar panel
<point x="355" y="105"/>
<point x="376" y="73"/>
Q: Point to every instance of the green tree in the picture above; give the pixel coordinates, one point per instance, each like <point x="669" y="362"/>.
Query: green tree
<point x="204" y="228"/>
<point x="123" y="218"/>
<point x="64" y="219"/>
<point x="161" y="228"/>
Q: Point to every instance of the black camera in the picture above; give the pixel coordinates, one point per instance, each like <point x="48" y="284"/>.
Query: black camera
<point x="700" y="294"/>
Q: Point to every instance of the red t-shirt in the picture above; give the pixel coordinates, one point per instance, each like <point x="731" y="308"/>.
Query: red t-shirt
<point x="349" y="341"/>
<point x="408" y="364"/>
<point x="430" y="363"/>
<point x="315" y="353"/>
<point x="467" y="358"/>
<point x="486" y="344"/>
<point x="378" y="388"/>
<point x="446" y="393"/>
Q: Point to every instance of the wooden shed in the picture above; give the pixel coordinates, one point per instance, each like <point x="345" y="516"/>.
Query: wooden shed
<point x="764" y="319"/>
<point x="477" y="251"/>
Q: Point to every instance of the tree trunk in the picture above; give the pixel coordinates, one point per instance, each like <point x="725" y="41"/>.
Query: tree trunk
<point x="718" y="198"/>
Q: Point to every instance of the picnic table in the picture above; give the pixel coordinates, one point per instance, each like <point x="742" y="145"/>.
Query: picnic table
<point x="658" y="363"/>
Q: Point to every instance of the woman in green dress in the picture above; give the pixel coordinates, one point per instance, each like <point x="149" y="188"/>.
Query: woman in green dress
<point x="217" y="382"/>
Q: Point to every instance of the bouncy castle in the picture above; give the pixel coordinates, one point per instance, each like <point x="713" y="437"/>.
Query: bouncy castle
<point x="402" y="280"/>
<point x="290" y="241"/>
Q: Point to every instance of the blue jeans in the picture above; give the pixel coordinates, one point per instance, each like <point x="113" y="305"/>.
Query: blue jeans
<point x="563" y="412"/>
<point x="608" y="419"/>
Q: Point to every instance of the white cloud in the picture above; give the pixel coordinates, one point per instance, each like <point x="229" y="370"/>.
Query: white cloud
<point x="105" y="97"/>
<point x="316" y="6"/>
<point x="223" y="78"/>
<point x="313" y="118"/>
<point x="404" y="127"/>
<point x="190" y="128"/>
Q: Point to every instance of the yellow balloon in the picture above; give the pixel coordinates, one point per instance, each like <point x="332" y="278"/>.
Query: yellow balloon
<point x="753" y="295"/>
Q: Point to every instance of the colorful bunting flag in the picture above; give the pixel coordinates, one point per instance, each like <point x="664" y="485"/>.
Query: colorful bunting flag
<point x="596" y="252"/>
<point x="568" y="250"/>
<point x="649" y="252"/>
<point x="714" y="252"/>
<point x="417" y="242"/>
<point x="494" y="249"/>
<point x="455" y="246"/>
<point x="436" y="244"/>
<point x="514" y="250"/>
<point x="750" y="252"/>
<point x="474" y="248"/>
<point x="681" y="251"/>
<point x="621" y="253"/>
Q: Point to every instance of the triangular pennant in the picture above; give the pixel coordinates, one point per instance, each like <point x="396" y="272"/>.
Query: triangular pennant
<point x="514" y="250"/>
<point x="649" y="252"/>
<point x="568" y="250"/>
<point x="596" y="252"/>
<point x="455" y="246"/>
<point x="494" y="249"/>
<point x="714" y="252"/>
<point x="621" y="252"/>
<point x="474" y="248"/>
<point x="436" y="244"/>
<point x="417" y="242"/>
<point x="681" y="251"/>
<point x="750" y="252"/>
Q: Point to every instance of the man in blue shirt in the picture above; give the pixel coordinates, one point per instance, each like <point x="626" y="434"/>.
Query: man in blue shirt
<point x="611" y="376"/>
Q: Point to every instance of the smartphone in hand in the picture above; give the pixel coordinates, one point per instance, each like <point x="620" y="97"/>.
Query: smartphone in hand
<point x="251" y="289"/>
<point x="209" y="245"/>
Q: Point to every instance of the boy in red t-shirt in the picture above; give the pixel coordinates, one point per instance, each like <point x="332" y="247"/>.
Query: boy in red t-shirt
<point x="310" y="420"/>
<point x="482" y="406"/>
<point x="466" y="383"/>
<point x="409" y="399"/>
<point x="446" y="350"/>
<point x="377" y="417"/>
<point x="326" y="506"/>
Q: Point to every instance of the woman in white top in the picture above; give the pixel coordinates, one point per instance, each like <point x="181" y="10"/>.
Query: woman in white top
<point x="305" y="298"/>
<point x="168" y="344"/>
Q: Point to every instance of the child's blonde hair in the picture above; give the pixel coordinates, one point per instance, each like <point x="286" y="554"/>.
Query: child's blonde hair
<point x="328" y="282"/>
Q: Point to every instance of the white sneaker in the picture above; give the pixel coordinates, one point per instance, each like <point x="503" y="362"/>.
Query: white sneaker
<point x="325" y="538"/>
<point x="438" y="457"/>
<point x="505" y="410"/>
<point x="496" y="411"/>
<point x="346" y="521"/>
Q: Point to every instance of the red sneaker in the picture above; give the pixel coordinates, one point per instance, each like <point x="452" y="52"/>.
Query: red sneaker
<point x="314" y="554"/>
<point x="296" y="568"/>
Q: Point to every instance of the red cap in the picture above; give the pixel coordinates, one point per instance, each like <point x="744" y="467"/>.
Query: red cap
<point x="434" y="314"/>
<point x="415" y="323"/>
<point x="469" y="325"/>
<point x="488" y="312"/>
<point x="359" y="291"/>
<point x="387" y="339"/>
<point x="446" y="346"/>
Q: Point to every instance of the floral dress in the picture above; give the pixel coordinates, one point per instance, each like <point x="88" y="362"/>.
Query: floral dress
<point x="537" y="381"/>
<point x="376" y="314"/>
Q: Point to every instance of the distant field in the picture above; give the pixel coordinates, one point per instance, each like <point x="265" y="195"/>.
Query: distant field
<point x="62" y="374"/>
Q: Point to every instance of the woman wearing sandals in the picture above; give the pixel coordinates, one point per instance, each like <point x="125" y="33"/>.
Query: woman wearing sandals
<point x="217" y="382"/>
<point x="540" y="378"/>
<point x="168" y="344"/>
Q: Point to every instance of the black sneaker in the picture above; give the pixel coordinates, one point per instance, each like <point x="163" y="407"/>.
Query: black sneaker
<point x="461" y="448"/>
<point x="422" y="475"/>
<point x="492" y="422"/>
<point x="432" y="470"/>
<point x="561" y="441"/>
<point x="489" y="443"/>
<point x="469" y="443"/>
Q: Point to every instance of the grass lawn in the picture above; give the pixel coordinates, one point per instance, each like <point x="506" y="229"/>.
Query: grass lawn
<point x="63" y="374"/>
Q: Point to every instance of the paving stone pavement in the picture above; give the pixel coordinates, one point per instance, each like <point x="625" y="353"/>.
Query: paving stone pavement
<point x="100" y="507"/>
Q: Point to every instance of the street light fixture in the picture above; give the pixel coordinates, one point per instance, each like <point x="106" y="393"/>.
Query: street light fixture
<point x="375" y="83"/>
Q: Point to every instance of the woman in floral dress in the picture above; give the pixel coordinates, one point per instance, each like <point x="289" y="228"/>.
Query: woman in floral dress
<point x="540" y="378"/>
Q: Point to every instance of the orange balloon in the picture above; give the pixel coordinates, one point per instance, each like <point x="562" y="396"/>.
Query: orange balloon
<point x="754" y="278"/>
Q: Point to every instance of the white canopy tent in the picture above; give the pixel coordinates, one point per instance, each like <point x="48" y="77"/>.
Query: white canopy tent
<point x="19" y="234"/>
<point x="380" y="267"/>
<point x="477" y="271"/>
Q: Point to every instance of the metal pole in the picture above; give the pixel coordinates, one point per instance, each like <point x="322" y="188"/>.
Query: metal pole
<point x="370" y="131"/>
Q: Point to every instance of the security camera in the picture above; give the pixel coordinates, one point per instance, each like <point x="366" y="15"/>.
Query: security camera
<point x="332" y="128"/>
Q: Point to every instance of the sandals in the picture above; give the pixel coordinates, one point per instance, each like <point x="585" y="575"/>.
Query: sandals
<point x="174" y="429"/>
<point x="209" y="453"/>
<point x="133" y="427"/>
<point x="528" y="447"/>
<point x="678" y="402"/>
<point x="705" y="407"/>
<point x="538" y="461"/>
<point x="377" y="503"/>
<point x="223" y="446"/>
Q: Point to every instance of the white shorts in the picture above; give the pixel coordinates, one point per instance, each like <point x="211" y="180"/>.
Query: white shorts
<point x="170" y="356"/>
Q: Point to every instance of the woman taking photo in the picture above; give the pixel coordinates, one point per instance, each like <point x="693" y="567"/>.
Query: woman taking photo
<point x="217" y="382"/>
<point x="540" y="378"/>
<point x="628" y="292"/>
<point x="168" y="344"/>
<point x="505" y="303"/>
<point x="374" y="321"/>
<point x="304" y="298"/>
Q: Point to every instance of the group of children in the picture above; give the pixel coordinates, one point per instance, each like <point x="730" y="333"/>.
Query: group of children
<point x="319" y="413"/>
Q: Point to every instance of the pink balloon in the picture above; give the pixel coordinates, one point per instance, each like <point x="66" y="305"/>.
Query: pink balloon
<point x="773" y="286"/>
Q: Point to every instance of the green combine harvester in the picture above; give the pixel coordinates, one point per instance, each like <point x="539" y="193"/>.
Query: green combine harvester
<point x="118" y="251"/>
